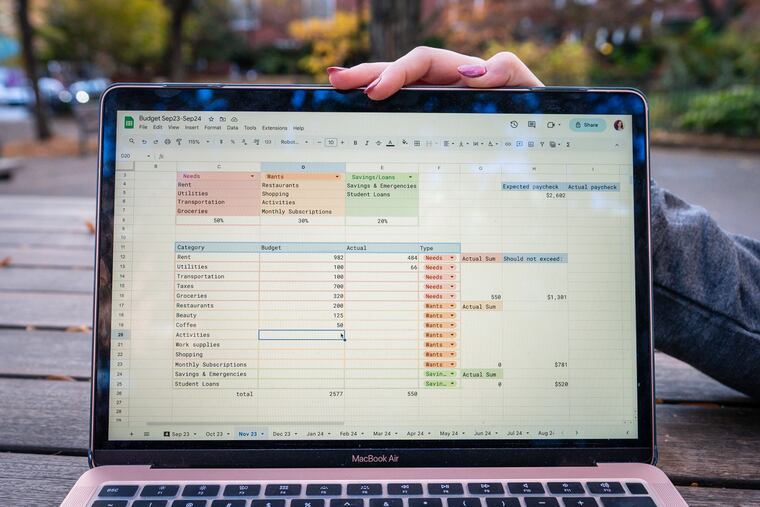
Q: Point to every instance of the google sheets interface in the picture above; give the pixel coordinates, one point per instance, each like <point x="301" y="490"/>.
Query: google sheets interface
<point x="346" y="276"/>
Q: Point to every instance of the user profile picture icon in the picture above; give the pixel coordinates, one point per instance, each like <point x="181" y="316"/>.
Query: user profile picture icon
<point x="618" y="125"/>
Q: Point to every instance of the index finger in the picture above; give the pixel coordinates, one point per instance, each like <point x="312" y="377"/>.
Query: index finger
<point x="422" y="64"/>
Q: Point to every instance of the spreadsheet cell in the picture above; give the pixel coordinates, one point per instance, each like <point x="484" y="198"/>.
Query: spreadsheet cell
<point x="365" y="293"/>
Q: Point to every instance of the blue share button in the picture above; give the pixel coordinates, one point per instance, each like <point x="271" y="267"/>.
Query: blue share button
<point x="588" y="125"/>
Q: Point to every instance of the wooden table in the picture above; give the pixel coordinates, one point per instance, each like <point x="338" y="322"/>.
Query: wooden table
<point x="709" y="435"/>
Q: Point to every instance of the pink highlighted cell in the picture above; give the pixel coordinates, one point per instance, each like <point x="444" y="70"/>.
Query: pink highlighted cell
<point x="481" y="257"/>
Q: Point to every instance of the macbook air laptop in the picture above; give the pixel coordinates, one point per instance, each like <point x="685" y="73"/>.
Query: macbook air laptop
<point x="304" y="298"/>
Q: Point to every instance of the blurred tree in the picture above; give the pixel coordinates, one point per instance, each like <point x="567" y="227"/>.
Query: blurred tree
<point x="174" y="61"/>
<point x="117" y="36"/>
<point x="551" y="63"/>
<point x="395" y="27"/>
<point x="30" y="63"/>
<point x="208" y="34"/>
<point x="338" y="41"/>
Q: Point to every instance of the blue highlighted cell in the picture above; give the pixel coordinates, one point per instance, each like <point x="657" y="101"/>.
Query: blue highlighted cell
<point x="535" y="258"/>
<point x="554" y="186"/>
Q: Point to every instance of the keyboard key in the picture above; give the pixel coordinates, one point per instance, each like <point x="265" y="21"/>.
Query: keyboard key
<point x="502" y="502"/>
<point x="200" y="490"/>
<point x="150" y="503"/>
<point x="541" y="501"/>
<point x="159" y="490"/>
<point x="324" y="490"/>
<point x="425" y="502"/>
<point x="445" y="488"/>
<point x="580" y="501"/>
<point x="364" y="489"/>
<point x="307" y="502"/>
<point x="525" y="488"/>
<point x="189" y="503"/>
<point x="385" y="502"/>
<point x="282" y="490"/>
<point x="463" y="502"/>
<point x="118" y="491"/>
<point x="605" y="488"/>
<point x="268" y="503"/>
<point x="485" y="488"/>
<point x="347" y="502"/>
<point x="627" y="501"/>
<point x="566" y="488"/>
<point x="636" y="488"/>
<point x="242" y="490"/>
<point x="109" y="503"/>
<point x="228" y="503"/>
<point x="404" y="488"/>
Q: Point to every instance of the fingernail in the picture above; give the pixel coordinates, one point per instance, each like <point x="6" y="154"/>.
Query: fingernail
<point x="372" y="84"/>
<point x="472" y="70"/>
<point x="333" y="70"/>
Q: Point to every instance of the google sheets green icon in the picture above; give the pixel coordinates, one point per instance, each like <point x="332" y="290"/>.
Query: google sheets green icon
<point x="129" y="122"/>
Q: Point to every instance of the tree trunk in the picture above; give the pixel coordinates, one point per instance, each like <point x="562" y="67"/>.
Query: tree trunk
<point x="174" y="63"/>
<point x="30" y="63"/>
<point x="394" y="28"/>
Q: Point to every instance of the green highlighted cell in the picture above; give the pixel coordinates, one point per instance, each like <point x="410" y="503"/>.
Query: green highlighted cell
<point x="382" y="194"/>
<point x="440" y="383"/>
<point x="440" y="373"/>
<point x="482" y="373"/>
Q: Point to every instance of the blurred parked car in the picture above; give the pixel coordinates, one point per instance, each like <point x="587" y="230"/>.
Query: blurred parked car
<point x="82" y="92"/>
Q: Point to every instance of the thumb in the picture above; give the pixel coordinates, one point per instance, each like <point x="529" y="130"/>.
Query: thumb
<point x="502" y="69"/>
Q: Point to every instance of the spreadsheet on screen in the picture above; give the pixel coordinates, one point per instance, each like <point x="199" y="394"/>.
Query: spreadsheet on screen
<point x="346" y="276"/>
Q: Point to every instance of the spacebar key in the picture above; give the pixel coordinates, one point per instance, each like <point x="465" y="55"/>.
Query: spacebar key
<point x="627" y="501"/>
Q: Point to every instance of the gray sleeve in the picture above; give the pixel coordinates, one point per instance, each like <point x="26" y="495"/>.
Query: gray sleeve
<point x="706" y="293"/>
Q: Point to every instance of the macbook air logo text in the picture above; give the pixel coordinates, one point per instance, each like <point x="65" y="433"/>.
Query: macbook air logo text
<point x="374" y="458"/>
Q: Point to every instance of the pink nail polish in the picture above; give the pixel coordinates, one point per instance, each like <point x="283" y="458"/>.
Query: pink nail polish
<point x="333" y="70"/>
<point x="372" y="85"/>
<point x="472" y="70"/>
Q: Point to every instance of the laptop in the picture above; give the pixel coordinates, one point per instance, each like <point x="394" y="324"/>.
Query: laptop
<point x="304" y="298"/>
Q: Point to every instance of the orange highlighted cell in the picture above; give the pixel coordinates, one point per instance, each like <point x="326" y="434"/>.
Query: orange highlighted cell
<point x="482" y="305"/>
<point x="440" y="345"/>
<point x="304" y="176"/>
<point x="440" y="306"/>
<point x="440" y="267"/>
<point x="481" y="257"/>
<point x="440" y="354"/>
<point x="440" y="364"/>
<point x="440" y="325"/>
<point x="440" y="315"/>
<point x="440" y="334"/>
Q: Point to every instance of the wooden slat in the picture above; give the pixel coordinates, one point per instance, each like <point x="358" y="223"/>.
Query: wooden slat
<point x="45" y="310"/>
<point x="33" y="479"/>
<point x="712" y="497"/>
<point x="48" y="257"/>
<point x="44" y="353"/>
<point x="707" y="444"/>
<point x="81" y="207"/>
<point x="677" y="381"/>
<point x="47" y="240"/>
<point x="46" y="280"/>
<point x="710" y="445"/>
<point x="44" y="415"/>
<point x="54" y="223"/>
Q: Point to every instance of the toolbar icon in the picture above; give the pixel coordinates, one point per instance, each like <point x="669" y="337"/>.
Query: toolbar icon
<point x="531" y="124"/>
<point x="513" y="124"/>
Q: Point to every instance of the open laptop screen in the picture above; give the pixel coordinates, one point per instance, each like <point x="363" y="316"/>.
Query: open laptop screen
<point x="338" y="276"/>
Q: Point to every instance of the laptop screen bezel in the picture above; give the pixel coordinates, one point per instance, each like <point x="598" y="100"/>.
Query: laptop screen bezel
<point x="300" y="453"/>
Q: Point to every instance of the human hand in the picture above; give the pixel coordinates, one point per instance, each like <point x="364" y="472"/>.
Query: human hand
<point x="433" y="66"/>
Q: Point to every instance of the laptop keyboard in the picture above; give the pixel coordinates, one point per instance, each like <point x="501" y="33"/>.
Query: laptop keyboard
<point x="394" y="494"/>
